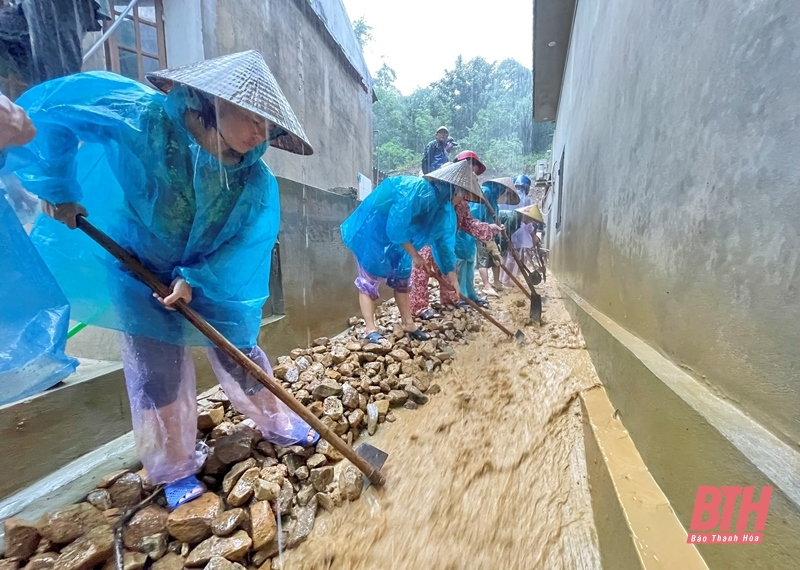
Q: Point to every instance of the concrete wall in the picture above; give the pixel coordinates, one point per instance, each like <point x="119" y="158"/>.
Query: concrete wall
<point x="679" y="122"/>
<point x="323" y="90"/>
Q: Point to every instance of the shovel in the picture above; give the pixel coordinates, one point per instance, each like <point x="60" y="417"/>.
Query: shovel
<point x="367" y="458"/>
<point x="518" y="336"/>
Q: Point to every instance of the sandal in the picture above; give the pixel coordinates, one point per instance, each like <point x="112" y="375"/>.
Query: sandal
<point x="482" y="303"/>
<point x="182" y="491"/>
<point x="374" y="337"/>
<point x="462" y="304"/>
<point x="418" y="334"/>
<point x="304" y="436"/>
<point x="427" y="315"/>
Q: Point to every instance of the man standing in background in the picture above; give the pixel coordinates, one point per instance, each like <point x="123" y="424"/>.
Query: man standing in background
<point x="435" y="154"/>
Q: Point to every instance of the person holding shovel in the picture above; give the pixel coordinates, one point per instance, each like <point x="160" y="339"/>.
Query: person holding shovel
<point x="177" y="178"/>
<point x="420" y="300"/>
<point x="524" y="238"/>
<point x="488" y="254"/>
<point x="388" y="230"/>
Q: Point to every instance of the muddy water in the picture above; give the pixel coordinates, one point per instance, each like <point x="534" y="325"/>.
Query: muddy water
<point x="490" y="474"/>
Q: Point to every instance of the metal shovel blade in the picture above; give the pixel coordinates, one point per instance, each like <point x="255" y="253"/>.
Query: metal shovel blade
<point x="372" y="455"/>
<point x="536" y="308"/>
<point x="519" y="336"/>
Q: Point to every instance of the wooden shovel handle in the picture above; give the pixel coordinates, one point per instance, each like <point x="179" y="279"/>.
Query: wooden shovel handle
<point x="152" y="281"/>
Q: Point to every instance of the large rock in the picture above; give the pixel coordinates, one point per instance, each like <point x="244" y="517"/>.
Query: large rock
<point x="225" y="523"/>
<point x="355" y="418"/>
<point x="266" y="490"/>
<point x="399" y="354"/>
<point x="99" y="499"/>
<point x="333" y="408"/>
<point x="191" y="522"/>
<point x="317" y="460"/>
<point x="209" y="418"/>
<point x="415" y="395"/>
<point x="91" y="549"/>
<point x="263" y="524"/>
<point x="155" y="545"/>
<point x="350" y="482"/>
<point x="244" y="488"/>
<point x="283" y="504"/>
<point x="349" y="397"/>
<point x="325" y="448"/>
<point x="383" y="407"/>
<point x="233" y="548"/>
<point x="232" y="448"/>
<point x="380" y="349"/>
<point x="43" y="561"/>
<point x="409" y="367"/>
<point x="304" y="523"/>
<point x="372" y="418"/>
<point x="232" y="477"/>
<point x="274" y="474"/>
<point x="339" y="354"/>
<point x="150" y="520"/>
<point x="320" y="478"/>
<point x="397" y="398"/>
<point x="68" y="523"/>
<point x="126" y="491"/>
<point x="109" y="479"/>
<point x="170" y="561"/>
<point x="21" y="538"/>
<point x="327" y="388"/>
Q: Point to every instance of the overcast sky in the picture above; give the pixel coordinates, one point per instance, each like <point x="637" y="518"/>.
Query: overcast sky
<point x="419" y="39"/>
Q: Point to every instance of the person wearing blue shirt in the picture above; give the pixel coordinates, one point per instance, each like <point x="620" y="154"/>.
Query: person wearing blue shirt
<point x="435" y="154"/>
<point x="175" y="176"/>
<point x="388" y="229"/>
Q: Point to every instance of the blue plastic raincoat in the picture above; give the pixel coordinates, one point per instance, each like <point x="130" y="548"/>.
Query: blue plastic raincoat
<point x="465" y="243"/>
<point x="35" y="312"/>
<point x="402" y="209"/>
<point x="147" y="183"/>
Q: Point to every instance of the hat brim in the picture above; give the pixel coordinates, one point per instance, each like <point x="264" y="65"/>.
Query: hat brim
<point x="458" y="174"/>
<point x="289" y="141"/>
<point x="510" y="194"/>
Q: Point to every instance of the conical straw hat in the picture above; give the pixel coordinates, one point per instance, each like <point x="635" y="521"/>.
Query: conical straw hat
<point x="459" y="174"/>
<point x="244" y="80"/>
<point x="532" y="211"/>
<point x="512" y="198"/>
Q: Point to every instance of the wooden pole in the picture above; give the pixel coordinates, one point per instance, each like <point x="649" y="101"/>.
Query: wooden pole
<point x="151" y="280"/>
<point x="485" y="314"/>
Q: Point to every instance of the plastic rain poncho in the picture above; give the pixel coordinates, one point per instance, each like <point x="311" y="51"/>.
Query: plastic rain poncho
<point x="152" y="188"/>
<point x="402" y="209"/>
<point x="465" y="243"/>
<point x="33" y="329"/>
<point x="147" y="183"/>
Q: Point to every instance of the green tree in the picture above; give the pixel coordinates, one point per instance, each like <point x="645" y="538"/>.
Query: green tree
<point x="363" y="32"/>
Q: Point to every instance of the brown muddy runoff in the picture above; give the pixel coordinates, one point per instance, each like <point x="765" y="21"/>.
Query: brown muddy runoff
<point x="490" y="474"/>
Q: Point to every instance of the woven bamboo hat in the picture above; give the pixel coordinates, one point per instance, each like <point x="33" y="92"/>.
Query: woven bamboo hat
<point x="532" y="211"/>
<point x="510" y="196"/>
<point x="459" y="174"/>
<point x="244" y="80"/>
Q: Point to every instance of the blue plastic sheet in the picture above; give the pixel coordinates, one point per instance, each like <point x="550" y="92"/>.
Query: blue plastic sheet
<point x="123" y="150"/>
<point x="465" y="244"/>
<point x="33" y="330"/>
<point x="402" y="209"/>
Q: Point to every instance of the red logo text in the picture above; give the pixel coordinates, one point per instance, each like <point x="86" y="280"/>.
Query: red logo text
<point x="713" y="515"/>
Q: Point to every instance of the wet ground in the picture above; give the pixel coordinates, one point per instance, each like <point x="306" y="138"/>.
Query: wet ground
<point x="490" y="474"/>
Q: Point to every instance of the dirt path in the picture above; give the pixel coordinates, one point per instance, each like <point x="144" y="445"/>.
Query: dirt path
<point x="490" y="474"/>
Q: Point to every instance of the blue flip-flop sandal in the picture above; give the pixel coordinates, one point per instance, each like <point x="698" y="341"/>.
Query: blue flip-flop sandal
<point x="182" y="491"/>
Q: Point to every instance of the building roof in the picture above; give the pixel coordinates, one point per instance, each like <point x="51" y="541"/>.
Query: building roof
<point x="552" y="26"/>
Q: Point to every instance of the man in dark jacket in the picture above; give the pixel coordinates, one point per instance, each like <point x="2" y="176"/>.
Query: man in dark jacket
<point x="435" y="154"/>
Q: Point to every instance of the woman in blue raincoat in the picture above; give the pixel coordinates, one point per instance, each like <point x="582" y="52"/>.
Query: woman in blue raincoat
<point x="177" y="179"/>
<point x="466" y="246"/>
<point x="400" y="217"/>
